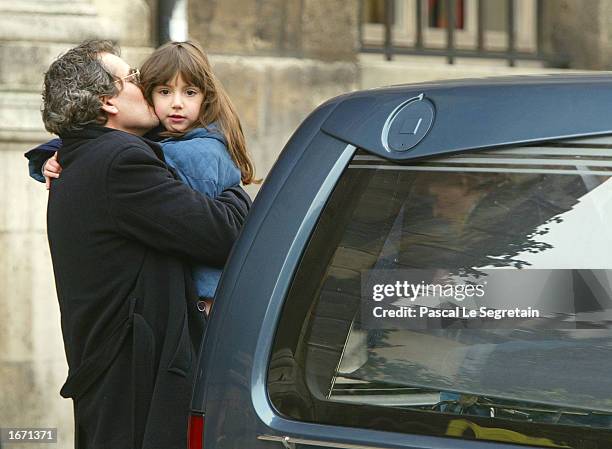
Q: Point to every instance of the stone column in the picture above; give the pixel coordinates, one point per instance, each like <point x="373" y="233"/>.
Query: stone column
<point x="578" y="33"/>
<point x="32" y="34"/>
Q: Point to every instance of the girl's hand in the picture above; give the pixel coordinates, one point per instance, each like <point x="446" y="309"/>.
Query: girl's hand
<point x="51" y="169"/>
<point x="208" y="305"/>
<point x="204" y="306"/>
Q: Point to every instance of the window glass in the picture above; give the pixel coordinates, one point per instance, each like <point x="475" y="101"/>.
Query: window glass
<point x="438" y="13"/>
<point x="532" y="226"/>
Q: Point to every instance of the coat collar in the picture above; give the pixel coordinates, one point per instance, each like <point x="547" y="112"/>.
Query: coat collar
<point x="86" y="133"/>
<point x="75" y="139"/>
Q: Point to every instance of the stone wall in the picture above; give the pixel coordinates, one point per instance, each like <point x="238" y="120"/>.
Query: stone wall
<point x="131" y="19"/>
<point x="578" y="33"/>
<point x="274" y="95"/>
<point x="373" y="72"/>
<point x="315" y="29"/>
<point x="32" y="362"/>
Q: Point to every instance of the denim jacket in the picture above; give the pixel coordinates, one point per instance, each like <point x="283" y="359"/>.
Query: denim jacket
<point x="201" y="160"/>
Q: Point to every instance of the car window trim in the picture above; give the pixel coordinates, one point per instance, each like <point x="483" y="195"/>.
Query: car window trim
<point x="259" y="394"/>
<point x="290" y="442"/>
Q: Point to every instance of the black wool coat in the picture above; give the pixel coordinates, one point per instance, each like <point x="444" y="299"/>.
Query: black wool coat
<point x="122" y="232"/>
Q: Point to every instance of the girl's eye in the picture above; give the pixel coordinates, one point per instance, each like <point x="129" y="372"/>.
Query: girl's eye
<point x="163" y="91"/>
<point x="191" y="92"/>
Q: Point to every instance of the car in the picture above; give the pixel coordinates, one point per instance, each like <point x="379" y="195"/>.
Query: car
<point x="426" y="266"/>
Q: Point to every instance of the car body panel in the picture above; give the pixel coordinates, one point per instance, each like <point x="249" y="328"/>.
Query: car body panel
<point x="483" y="114"/>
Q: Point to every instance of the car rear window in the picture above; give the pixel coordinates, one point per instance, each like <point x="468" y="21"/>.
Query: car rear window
<point x="531" y="226"/>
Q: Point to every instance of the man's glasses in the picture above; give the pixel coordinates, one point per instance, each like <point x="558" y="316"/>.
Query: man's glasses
<point x="132" y="77"/>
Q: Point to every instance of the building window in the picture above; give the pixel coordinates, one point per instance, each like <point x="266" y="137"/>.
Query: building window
<point x="434" y="18"/>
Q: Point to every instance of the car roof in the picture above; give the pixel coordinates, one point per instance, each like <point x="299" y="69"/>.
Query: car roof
<point x="472" y="114"/>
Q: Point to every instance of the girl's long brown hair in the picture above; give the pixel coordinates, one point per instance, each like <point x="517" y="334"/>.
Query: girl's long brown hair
<point x="189" y="60"/>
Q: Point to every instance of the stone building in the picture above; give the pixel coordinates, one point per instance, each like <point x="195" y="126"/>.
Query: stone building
<point x="278" y="59"/>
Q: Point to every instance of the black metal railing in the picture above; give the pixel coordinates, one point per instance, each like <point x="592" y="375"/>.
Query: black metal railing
<point x="390" y="48"/>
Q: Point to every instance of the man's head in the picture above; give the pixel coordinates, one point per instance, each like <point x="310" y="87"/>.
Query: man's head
<point x="90" y="84"/>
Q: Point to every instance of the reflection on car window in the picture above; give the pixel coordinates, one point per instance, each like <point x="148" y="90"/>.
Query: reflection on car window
<point x="540" y="216"/>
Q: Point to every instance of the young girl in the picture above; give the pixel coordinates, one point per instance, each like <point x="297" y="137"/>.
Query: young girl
<point x="204" y="142"/>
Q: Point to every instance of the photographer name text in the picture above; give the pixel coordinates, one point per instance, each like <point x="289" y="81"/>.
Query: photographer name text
<point x="453" y="312"/>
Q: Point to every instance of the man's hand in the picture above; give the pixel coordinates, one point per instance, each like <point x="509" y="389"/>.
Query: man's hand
<point x="51" y="169"/>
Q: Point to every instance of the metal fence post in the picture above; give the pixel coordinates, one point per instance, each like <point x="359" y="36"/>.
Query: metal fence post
<point x="511" y="37"/>
<point x="388" y="31"/>
<point x="450" y="31"/>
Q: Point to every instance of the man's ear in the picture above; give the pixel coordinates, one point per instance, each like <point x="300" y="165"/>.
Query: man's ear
<point x="108" y="105"/>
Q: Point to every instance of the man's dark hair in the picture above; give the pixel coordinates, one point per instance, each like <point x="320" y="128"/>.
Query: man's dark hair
<point x="73" y="86"/>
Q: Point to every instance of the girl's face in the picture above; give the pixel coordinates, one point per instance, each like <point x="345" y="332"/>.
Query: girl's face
<point x="177" y="104"/>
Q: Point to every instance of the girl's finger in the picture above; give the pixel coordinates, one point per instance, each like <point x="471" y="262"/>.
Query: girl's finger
<point x="53" y="166"/>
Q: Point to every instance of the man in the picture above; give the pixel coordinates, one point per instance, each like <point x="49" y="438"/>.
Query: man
<point x="122" y="231"/>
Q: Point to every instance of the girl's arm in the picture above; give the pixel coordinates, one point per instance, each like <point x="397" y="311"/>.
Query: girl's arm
<point x="43" y="163"/>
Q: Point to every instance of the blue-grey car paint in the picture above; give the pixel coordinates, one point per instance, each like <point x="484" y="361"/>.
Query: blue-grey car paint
<point x="233" y="364"/>
<point x="481" y="114"/>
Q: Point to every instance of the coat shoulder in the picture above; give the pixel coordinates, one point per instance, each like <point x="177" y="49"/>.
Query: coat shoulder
<point x="121" y="143"/>
<point x="122" y="140"/>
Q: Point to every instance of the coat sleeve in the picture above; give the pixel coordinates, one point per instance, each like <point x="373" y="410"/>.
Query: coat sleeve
<point x="150" y="206"/>
<point x="39" y="155"/>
